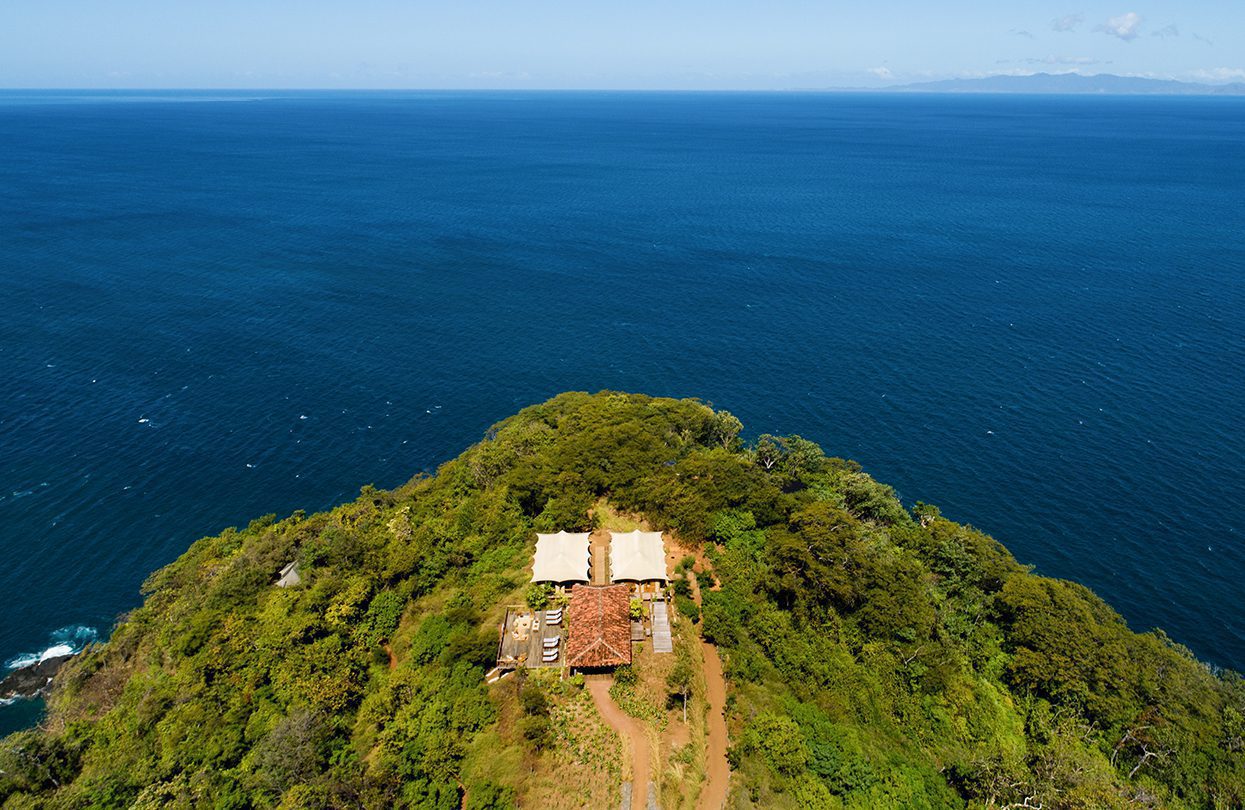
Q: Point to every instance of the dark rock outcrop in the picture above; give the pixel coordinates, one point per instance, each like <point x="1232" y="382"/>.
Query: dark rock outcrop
<point x="32" y="680"/>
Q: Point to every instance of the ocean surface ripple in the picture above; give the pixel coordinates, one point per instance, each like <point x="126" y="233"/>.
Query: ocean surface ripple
<point x="1030" y="311"/>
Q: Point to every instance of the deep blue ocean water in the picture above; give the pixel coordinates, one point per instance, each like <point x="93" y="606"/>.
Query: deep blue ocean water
<point x="1030" y="311"/>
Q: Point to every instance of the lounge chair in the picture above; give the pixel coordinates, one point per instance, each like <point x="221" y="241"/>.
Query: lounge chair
<point x="552" y="642"/>
<point x="550" y="656"/>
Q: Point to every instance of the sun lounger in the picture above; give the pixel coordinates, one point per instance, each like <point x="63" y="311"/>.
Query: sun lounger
<point x="550" y="657"/>
<point x="552" y="642"/>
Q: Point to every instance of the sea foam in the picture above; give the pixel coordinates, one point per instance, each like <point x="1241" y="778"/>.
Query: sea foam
<point x="65" y="641"/>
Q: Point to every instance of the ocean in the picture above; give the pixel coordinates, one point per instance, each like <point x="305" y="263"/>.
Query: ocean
<point x="1027" y="310"/>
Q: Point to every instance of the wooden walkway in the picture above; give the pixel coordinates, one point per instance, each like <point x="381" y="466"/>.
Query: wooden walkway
<point x="662" y="642"/>
<point x="599" y="543"/>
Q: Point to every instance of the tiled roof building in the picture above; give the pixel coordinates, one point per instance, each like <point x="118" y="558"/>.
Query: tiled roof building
<point x="599" y="625"/>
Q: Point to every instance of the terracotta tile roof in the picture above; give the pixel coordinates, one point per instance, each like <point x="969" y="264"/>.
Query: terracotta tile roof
<point x="599" y="625"/>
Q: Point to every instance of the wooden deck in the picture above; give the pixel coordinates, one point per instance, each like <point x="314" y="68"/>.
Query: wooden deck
<point x="522" y="640"/>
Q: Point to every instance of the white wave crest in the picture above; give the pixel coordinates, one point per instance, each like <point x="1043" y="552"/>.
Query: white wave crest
<point x="65" y="641"/>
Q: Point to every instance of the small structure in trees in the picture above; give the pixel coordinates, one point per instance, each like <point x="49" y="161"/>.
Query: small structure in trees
<point x="637" y="557"/>
<point x="561" y="557"/>
<point x="288" y="576"/>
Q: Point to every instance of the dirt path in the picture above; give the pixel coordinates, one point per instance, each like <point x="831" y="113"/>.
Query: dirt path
<point x="717" y="769"/>
<point x="633" y="735"/>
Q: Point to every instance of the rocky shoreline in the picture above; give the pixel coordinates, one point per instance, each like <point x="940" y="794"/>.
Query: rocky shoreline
<point x="33" y="680"/>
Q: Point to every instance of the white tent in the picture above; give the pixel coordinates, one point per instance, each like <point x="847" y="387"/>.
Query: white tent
<point x="637" y="556"/>
<point x="561" y="557"/>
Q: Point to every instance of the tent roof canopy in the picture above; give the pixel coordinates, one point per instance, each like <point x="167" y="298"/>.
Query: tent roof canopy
<point x="637" y="556"/>
<point x="561" y="557"/>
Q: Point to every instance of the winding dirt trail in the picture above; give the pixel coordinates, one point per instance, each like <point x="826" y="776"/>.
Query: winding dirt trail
<point x="632" y="732"/>
<point x="717" y="769"/>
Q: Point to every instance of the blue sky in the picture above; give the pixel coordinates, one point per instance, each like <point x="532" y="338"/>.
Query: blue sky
<point x="727" y="44"/>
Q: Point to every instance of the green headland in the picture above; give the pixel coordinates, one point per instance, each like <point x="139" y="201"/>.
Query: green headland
<point x="871" y="655"/>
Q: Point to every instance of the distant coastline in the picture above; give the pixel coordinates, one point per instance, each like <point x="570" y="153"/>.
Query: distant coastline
<point x="1072" y="84"/>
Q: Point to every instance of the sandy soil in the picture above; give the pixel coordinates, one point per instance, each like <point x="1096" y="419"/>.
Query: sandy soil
<point x="632" y="732"/>
<point x="717" y="770"/>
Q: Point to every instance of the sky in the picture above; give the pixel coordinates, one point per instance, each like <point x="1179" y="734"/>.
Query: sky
<point x="587" y="44"/>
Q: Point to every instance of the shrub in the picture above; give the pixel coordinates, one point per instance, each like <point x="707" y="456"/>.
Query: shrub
<point x="533" y="700"/>
<point x="778" y="738"/>
<point x="538" y="595"/>
<point x="489" y="796"/>
<point x="383" y="616"/>
<point x="688" y="608"/>
<point x="537" y="730"/>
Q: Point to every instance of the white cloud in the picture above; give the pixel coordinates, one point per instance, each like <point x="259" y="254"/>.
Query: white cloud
<point x="1166" y="31"/>
<point x="1067" y="22"/>
<point x="882" y="72"/>
<point x="1220" y="74"/>
<point x="1123" y="27"/>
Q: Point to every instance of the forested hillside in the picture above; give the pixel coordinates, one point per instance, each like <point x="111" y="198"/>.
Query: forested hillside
<point x="876" y="656"/>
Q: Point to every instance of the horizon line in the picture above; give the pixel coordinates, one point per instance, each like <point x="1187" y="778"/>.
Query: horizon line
<point x="905" y="85"/>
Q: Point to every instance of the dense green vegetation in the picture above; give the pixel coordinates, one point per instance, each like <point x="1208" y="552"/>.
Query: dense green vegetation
<point x="877" y="656"/>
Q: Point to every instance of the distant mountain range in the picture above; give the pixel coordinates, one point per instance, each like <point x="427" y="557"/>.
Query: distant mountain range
<point x="1103" y="84"/>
